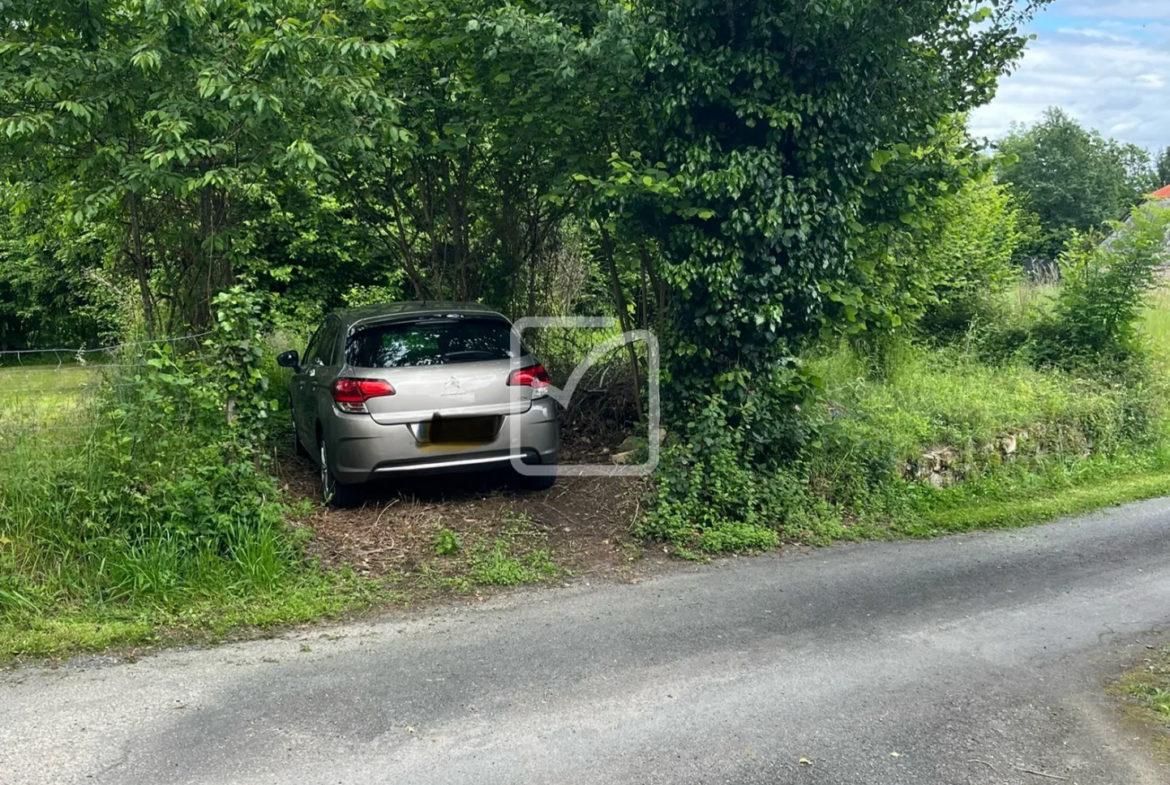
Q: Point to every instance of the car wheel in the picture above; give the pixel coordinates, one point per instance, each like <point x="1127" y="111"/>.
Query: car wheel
<point x="535" y="482"/>
<point x="333" y="493"/>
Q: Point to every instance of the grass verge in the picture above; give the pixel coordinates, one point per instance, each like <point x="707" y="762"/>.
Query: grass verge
<point x="92" y="628"/>
<point x="463" y="563"/>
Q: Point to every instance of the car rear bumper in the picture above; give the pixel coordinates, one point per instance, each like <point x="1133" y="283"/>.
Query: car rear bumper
<point x="361" y="449"/>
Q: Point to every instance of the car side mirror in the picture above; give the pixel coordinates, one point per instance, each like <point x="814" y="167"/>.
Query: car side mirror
<point x="289" y="359"/>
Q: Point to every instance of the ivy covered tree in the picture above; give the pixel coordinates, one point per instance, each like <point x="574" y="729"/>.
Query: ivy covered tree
<point x="796" y="125"/>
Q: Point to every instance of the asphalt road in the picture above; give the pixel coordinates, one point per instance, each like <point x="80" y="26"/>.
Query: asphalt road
<point x="972" y="659"/>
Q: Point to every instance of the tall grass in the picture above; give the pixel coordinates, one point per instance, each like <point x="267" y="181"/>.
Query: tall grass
<point x="125" y="496"/>
<point x="1082" y="428"/>
<point x="1155" y="327"/>
<point x="948" y="397"/>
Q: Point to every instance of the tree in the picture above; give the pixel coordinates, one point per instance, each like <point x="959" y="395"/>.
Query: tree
<point x="1074" y="180"/>
<point x="170" y="123"/>
<point x="1095" y="321"/>
<point x="792" y="126"/>
<point x="1163" y="167"/>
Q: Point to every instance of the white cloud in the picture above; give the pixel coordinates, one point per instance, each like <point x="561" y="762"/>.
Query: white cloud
<point x="1094" y="33"/>
<point x="1119" y="9"/>
<point x="1118" y="85"/>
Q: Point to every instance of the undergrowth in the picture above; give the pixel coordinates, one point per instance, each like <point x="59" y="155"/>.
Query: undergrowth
<point x="1054" y="401"/>
<point x="149" y="503"/>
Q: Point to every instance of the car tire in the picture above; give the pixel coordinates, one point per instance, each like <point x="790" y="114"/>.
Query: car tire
<point x="334" y="493"/>
<point x="535" y="482"/>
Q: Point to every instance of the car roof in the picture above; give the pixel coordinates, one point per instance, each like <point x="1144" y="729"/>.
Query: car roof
<point x="366" y="313"/>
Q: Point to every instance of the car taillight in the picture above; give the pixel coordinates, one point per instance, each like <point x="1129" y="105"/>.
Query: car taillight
<point x="350" y="395"/>
<point x="534" y="376"/>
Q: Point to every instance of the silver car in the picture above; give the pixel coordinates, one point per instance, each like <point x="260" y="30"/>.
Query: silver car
<point x="404" y="389"/>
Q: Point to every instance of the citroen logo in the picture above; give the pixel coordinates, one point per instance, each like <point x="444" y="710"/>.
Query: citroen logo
<point x="452" y="387"/>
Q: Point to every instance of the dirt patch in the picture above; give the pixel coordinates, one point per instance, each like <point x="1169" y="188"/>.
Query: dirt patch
<point x="1144" y="695"/>
<point x="582" y="522"/>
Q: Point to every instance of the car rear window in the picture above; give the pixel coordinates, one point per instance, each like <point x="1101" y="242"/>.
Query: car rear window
<point x="442" y="341"/>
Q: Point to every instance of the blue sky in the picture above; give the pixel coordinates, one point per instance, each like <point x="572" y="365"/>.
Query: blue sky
<point x="1106" y="62"/>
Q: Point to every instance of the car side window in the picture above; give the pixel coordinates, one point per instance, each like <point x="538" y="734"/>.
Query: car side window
<point x="310" y="357"/>
<point x="327" y="345"/>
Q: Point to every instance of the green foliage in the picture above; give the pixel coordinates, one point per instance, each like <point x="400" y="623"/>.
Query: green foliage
<point x="1156" y="698"/>
<point x="469" y="194"/>
<point x="706" y="495"/>
<point x="163" y="128"/>
<point x="1162" y="167"/>
<point x="1072" y="179"/>
<point x="968" y="252"/>
<point x="239" y="348"/>
<point x="1079" y="437"/>
<point x="447" y="542"/>
<point x="749" y="179"/>
<point x="793" y="163"/>
<point x="1104" y="294"/>
<point x="52" y="290"/>
<point x="506" y="561"/>
<point x="165" y="499"/>
<point x="375" y="294"/>
<point x="949" y="398"/>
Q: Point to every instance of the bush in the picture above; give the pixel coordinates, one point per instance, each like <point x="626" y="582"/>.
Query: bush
<point x="167" y="497"/>
<point x="1094" y="323"/>
<point x="706" y="494"/>
<point x="969" y="258"/>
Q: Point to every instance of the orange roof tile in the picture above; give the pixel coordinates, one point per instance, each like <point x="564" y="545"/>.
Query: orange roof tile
<point x="1161" y="193"/>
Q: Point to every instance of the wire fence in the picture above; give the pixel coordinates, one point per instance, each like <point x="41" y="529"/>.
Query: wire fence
<point x="49" y="397"/>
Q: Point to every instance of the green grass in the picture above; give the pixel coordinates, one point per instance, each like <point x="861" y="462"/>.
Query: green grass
<point x="1157" y="699"/>
<point x="1090" y="442"/>
<point x="1156" y="326"/>
<point x="64" y="590"/>
<point x="70" y="630"/>
<point x="515" y="557"/>
<point x="495" y="564"/>
<point x="32" y="398"/>
<point x="947" y="397"/>
<point x="125" y="519"/>
<point x="1026" y="499"/>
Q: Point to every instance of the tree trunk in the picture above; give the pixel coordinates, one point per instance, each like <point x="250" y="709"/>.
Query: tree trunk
<point x="619" y="299"/>
<point x="141" y="274"/>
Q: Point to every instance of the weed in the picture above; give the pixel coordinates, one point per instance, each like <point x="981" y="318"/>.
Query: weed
<point x="447" y="542"/>
<point x="508" y="560"/>
<point x="1147" y="688"/>
<point x="1155" y="698"/>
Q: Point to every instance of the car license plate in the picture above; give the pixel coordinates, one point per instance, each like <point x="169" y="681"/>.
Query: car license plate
<point x="462" y="430"/>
